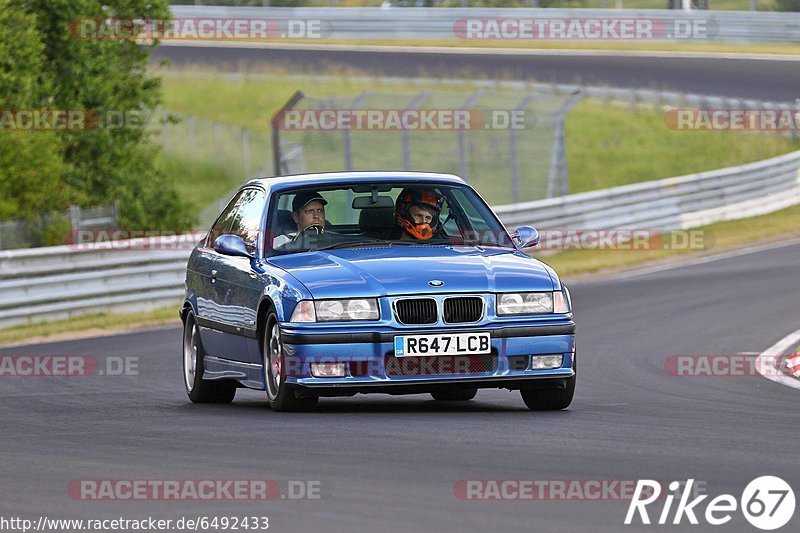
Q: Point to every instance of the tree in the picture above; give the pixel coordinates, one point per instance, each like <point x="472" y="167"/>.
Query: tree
<point x="98" y="165"/>
<point x="31" y="167"/>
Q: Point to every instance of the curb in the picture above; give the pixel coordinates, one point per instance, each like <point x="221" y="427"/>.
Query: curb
<point x="783" y="346"/>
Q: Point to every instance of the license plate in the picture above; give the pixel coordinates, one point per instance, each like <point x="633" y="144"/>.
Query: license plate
<point x="442" y="344"/>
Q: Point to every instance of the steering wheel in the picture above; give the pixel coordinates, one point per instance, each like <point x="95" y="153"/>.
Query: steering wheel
<point x="317" y="229"/>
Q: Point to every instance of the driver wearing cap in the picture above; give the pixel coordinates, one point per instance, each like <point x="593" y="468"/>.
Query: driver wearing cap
<point x="308" y="212"/>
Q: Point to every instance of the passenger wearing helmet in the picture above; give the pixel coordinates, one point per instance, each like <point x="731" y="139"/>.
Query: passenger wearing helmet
<point x="417" y="214"/>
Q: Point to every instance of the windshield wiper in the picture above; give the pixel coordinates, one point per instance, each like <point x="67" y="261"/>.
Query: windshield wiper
<point x="353" y="244"/>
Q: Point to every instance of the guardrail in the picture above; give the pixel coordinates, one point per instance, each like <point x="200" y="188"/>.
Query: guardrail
<point x="674" y="203"/>
<point x="450" y="23"/>
<point x="59" y="282"/>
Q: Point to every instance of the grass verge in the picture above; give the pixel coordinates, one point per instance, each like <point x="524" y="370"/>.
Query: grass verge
<point x="89" y="325"/>
<point x="200" y="182"/>
<point x="609" y="146"/>
<point x="784" y="224"/>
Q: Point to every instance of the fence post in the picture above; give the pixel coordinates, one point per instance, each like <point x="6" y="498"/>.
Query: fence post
<point x="462" y="140"/>
<point x="246" y="152"/>
<point x="346" y="138"/>
<point x="512" y="149"/>
<point x="275" y="127"/>
<point x="414" y="104"/>
<point x="75" y="218"/>
<point x="165" y="136"/>
<point x="190" y="127"/>
<point x="558" y="159"/>
<point x="217" y="147"/>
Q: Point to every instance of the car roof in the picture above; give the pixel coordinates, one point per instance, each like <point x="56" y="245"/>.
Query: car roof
<point x="336" y="178"/>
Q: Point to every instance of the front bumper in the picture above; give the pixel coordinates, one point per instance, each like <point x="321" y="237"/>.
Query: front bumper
<point x="370" y="364"/>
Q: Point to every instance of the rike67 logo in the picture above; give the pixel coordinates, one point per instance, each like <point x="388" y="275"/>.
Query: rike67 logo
<point x="767" y="502"/>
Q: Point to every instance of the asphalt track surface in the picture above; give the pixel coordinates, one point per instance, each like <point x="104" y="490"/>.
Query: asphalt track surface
<point x="390" y="463"/>
<point x="758" y="78"/>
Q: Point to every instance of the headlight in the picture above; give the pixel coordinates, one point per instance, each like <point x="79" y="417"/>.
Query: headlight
<point x="525" y="303"/>
<point x="347" y="310"/>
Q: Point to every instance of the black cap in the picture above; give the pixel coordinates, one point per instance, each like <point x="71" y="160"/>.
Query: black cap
<point x="301" y="199"/>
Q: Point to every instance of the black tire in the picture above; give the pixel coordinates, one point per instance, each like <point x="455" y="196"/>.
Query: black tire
<point x="198" y="389"/>
<point x="457" y="395"/>
<point x="281" y="395"/>
<point x="549" y="397"/>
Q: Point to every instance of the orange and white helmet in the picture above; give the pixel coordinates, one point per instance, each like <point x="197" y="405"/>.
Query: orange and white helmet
<point x="422" y="198"/>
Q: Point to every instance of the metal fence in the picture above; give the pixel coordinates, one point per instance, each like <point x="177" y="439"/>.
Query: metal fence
<point x="236" y="153"/>
<point x="447" y="23"/>
<point x="45" y="229"/>
<point x="508" y="145"/>
<point x="504" y="165"/>
<point x="60" y="282"/>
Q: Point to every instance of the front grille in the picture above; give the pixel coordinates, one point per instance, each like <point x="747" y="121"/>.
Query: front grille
<point x="416" y="311"/>
<point x="463" y="309"/>
<point x="448" y="365"/>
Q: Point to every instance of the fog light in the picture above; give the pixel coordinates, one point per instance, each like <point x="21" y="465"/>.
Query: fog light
<point x="544" y="362"/>
<point x="327" y="370"/>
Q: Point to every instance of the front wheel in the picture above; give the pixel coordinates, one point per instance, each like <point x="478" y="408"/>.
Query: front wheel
<point x="199" y="389"/>
<point x="549" y="397"/>
<point x="458" y="395"/>
<point x="280" y="394"/>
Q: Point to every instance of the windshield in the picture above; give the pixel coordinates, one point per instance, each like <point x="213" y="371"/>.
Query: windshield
<point x="386" y="214"/>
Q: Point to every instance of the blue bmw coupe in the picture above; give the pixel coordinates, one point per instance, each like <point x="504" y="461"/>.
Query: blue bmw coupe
<point x="389" y="282"/>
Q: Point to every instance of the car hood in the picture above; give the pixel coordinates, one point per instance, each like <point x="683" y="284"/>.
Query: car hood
<point x="395" y="270"/>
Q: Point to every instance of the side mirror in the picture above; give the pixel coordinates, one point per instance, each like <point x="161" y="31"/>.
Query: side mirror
<point x="231" y="245"/>
<point x="525" y="237"/>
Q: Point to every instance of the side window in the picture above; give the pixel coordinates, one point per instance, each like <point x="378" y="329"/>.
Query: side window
<point x="246" y="220"/>
<point x="223" y="223"/>
<point x="475" y="226"/>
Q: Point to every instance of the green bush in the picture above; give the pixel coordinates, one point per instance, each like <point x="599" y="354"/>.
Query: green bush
<point x="787" y="5"/>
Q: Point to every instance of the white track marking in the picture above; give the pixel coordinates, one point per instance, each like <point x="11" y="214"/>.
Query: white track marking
<point x="778" y="348"/>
